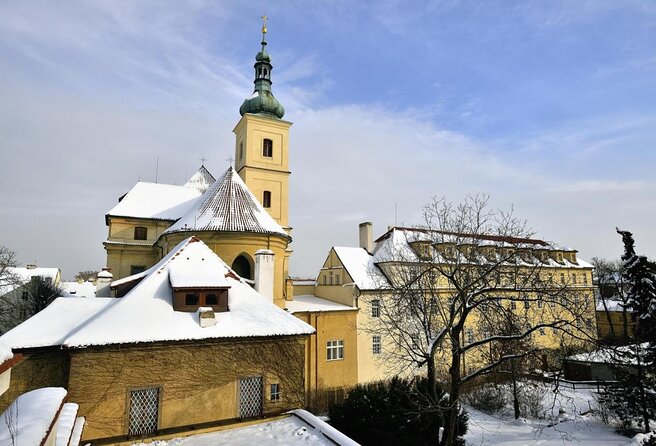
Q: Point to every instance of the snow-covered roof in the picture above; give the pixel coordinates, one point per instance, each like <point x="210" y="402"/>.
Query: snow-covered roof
<point x="195" y="272"/>
<point x="395" y="246"/>
<point x="306" y="303"/>
<point x="228" y="205"/>
<point x="156" y="201"/>
<point x="360" y="266"/>
<point x="5" y="353"/>
<point x="611" y="305"/>
<point x="78" y="289"/>
<point x="32" y="414"/>
<point x="17" y="276"/>
<point x="617" y="355"/>
<point x="146" y="314"/>
<point x="201" y="180"/>
<point x="52" y="325"/>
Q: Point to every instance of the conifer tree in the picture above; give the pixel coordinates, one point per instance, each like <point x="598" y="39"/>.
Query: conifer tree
<point x="633" y="397"/>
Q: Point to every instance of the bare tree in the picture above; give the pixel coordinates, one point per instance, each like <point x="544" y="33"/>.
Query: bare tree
<point x="83" y="276"/>
<point x="453" y="285"/>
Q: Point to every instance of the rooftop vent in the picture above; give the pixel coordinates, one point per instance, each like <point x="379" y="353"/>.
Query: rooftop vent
<point x="206" y="317"/>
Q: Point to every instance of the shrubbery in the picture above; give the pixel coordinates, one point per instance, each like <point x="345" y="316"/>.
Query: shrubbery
<point x="394" y="412"/>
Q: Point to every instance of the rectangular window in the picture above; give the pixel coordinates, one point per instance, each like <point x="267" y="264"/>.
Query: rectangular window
<point x="140" y="233"/>
<point x="266" y="199"/>
<point x="24" y="295"/>
<point x="338" y="279"/>
<point x="375" y="344"/>
<point x="375" y="308"/>
<point x="267" y="148"/>
<point x="274" y="393"/>
<point x="540" y="303"/>
<point x="470" y="335"/>
<point x="562" y="278"/>
<point x="513" y="305"/>
<point x="414" y="339"/>
<point x="211" y="299"/>
<point x="191" y="299"/>
<point x="585" y="278"/>
<point x="136" y="269"/>
<point x="527" y="304"/>
<point x="144" y="411"/>
<point x="335" y="350"/>
<point x="574" y="278"/>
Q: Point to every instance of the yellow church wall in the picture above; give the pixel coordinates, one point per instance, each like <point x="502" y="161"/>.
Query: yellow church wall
<point x="260" y="172"/>
<point x="330" y="326"/>
<point x="121" y="258"/>
<point x="198" y="382"/>
<point x="230" y="245"/>
<point x="121" y="229"/>
<point x="616" y="320"/>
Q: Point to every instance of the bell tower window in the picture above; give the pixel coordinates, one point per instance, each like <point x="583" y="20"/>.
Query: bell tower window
<point x="140" y="233"/>
<point x="267" y="148"/>
<point x="266" y="199"/>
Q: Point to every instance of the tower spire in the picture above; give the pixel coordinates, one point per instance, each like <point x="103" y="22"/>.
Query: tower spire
<point x="262" y="102"/>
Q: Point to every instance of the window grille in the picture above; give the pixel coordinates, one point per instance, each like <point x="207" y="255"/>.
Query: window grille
<point x="334" y="350"/>
<point x="144" y="411"/>
<point x="375" y="344"/>
<point x="250" y="397"/>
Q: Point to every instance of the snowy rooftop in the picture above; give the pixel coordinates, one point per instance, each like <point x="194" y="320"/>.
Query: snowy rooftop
<point x="306" y="303"/>
<point x="146" y="314"/>
<point x="201" y="180"/>
<point x="300" y="428"/>
<point x="33" y="413"/>
<point x="611" y="305"/>
<point x="359" y="264"/>
<point x="20" y="275"/>
<point x="156" y="201"/>
<point x="77" y="289"/>
<point x="617" y="355"/>
<point x="228" y="206"/>
<point x="395" y="245"/>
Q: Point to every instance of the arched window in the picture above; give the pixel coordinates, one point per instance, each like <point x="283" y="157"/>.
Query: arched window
<point x="242" y="267"/>
<point x="266" y="199"/>
<point x="267" y="148"/>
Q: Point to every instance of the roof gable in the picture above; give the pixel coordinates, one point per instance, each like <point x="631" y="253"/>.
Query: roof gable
<point x="201" y="180"/>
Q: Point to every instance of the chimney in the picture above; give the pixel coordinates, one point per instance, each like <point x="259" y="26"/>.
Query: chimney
<point x="206" y="317"/>
<point x="366" y="236"/>
<point x="103" y="282"/>
<point x="264" y="272"/>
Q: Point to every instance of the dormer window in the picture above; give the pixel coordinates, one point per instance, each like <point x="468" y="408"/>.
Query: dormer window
<point x="189" y="300"/>
<point x="140" y="233"/>
<point x="267" y="148"/>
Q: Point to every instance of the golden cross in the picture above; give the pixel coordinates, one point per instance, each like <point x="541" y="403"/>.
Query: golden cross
<point x="264" y="20"/>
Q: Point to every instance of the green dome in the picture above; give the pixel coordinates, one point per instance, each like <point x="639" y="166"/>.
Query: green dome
<point x="263" y="103"/>
<point x="263" y="56"/>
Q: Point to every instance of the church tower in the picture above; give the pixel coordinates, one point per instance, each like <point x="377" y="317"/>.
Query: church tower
<point x="262" y="142"/>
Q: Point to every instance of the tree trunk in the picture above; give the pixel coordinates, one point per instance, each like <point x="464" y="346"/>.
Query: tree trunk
<point x="451" y="419"/>
<point x="513" y="376"/>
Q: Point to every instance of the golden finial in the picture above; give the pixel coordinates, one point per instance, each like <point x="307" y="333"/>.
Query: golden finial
<point x="264" y="20"/>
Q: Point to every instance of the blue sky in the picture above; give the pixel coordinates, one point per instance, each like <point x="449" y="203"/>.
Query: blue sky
<point x="550" y="107"/>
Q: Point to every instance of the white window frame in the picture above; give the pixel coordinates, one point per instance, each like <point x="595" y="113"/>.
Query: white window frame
<point x="376" y="344"/>
<point x="335" y="350"/>
<point x="375" y="308"/>
<point x="274" y="392"/>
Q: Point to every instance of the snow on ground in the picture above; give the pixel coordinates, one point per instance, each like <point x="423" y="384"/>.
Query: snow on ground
<point x="555" y="429"/>
<point x="288" y="431"/>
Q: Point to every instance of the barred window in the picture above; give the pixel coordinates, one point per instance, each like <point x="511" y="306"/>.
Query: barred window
<point x="335" y="350"/>
<point x="375" y="308"/>
<point x="376" y="344"/>
<point x="144" y="411"/>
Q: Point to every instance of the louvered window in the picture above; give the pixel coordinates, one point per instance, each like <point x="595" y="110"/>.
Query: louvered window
<point x="144" y="411"/>
<point x="267" y="148"/>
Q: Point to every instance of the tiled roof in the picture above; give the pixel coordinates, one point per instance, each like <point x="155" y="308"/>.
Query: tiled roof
<point x="228" y="206"/>
<point x="201" y="180"/>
